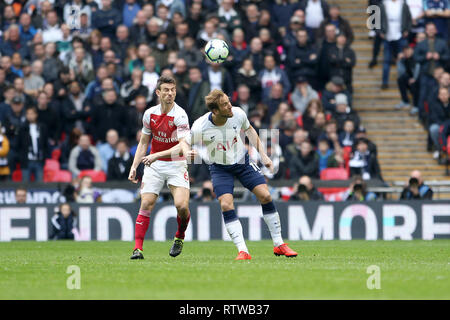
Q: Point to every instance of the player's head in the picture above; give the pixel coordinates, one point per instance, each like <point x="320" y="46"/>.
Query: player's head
<point x="219" y="104"/>
<point x="166" y="89"/>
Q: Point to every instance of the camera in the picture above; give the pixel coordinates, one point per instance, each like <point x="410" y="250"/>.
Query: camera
<point x="413" y="182"/>
<point x="206" y="192"/>
<point x="302" y="188"/>
<point x="358" y="187"/>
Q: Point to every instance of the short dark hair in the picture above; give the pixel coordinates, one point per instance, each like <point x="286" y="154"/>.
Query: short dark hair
<point x="165" y="79"/>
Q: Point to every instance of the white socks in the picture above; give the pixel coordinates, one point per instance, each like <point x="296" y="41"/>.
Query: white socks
<point x="234" y="229"/>
<point x="273" y="223"/>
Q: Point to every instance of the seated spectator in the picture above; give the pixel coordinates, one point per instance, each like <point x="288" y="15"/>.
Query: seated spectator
<point x="107" y="19"/>
<point x="303" y="94"/>
<point x="244" y="100"/>
<point x="287" y="129"/>
<point x="335" y="86"/>
<point x="271" y="75"/>
<point x="309" y="115"/>
<point x="331" y="135"/>
<point x="364" y="162"/>
<point x="190" y="53"/>
<point x="120" y="164"/>
<point x="33" y="146"/>
<point x="439" y="114"/>
<point x="248" y="76"/>
<point x="52" y="64"/>
<point x="6" y="66"/>
<point x="361" y="133"/>
<point x="4" y="150"/>
<point x="86" y="193"/>
<point x="318" y="129"/>
<point x="14" y="43"/>
<point x="133" y="88"/>
<point x="273" y="101"/>
<point x="342" y="61"/>
<point x="67" y="145"/>
<point x="218" y="78"/>
<point x="430" y="54"/>
<point x="327" y="158"/>
<point x="106" y="150"/>
<point x="63" y="223"/>
<point x="82" y="66"/>
<point x="84" y="157"/>
<point x="306" y="163"/>
<point x="52" y="31"/>
<point x="21" y="195"/>
<point x="33" y="81"/>
<point x="278" y="116"/>
<point x="407" y="77"/>
<point x="344" y="112"/>
<point x="437" y="12"/>
<point x="347" y="135"/>
<point x="238" y="50"/>
<point x="416" y="188"/>
<point x="293" y="149"/>
<point x="150" y="76"/>
<point x="109" y="115"/>
<point x="358" y="191"/>
<point x="306" y="191"/>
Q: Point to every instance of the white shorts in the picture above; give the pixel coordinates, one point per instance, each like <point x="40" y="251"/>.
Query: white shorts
<point x="174" y="172"/>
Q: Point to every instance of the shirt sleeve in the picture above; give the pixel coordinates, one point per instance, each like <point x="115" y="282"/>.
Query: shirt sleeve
<point x="182" y="124"/>
<point x="146" y="124"/>
<point x="195" y="134"/>
<point x="243" y="118"/>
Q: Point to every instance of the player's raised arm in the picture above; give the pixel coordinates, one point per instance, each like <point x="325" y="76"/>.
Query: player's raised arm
<point x="140" y="154"/>
<point x="256" y="142"/>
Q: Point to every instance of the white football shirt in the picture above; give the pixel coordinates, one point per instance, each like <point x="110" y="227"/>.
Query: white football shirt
<point x="223" y="144"/>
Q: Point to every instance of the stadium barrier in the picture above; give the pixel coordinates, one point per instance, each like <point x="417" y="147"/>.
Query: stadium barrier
<point x="388" y="220"/>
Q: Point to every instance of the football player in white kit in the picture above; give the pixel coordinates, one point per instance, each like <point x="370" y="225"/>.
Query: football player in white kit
<point x="166" y="124"/>
<point x="219" y="130"/>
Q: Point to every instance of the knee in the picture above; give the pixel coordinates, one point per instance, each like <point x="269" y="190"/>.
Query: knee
<point x="147" y="204"/>
<point x="434" y="129"/>
<point x="265" y="198"/>
<point x="226" y="205"/>
<point x="182" y="207"/>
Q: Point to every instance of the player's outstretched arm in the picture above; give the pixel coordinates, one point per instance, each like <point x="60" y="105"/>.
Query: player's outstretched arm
<point x="140" y="154"/>
<point x="175" y="152"/>
<point x="256" y="142"/>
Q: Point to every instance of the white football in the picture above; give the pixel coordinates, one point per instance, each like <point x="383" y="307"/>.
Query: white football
<point x="217" y="50"/>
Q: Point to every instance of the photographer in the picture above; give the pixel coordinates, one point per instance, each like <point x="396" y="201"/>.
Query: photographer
<point x="416" y="189"/>
<point x="358" y="191"/>
<point x="206" y="193"/>
<point x="306" y="191"/>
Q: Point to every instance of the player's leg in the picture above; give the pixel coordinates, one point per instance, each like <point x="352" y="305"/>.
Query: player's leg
<point x="233" y="225"/>
<point x="181" y="201"/>
<point x="272" y="220"/>
<point x="152" y="183"/>
<point x="178" y="182"/>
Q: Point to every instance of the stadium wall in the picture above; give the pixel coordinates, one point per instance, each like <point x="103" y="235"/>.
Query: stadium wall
<point x="300" y="221"/>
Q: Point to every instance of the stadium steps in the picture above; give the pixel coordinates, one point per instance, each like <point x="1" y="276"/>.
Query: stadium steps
<point x="400" y="138"/>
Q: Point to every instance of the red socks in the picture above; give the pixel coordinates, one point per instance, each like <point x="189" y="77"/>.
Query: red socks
<point x="182" y="225"/>
<point x="141" y="226"/>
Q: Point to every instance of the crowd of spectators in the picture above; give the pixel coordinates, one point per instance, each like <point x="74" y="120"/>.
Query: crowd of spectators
<point x="78" y="75"/>
<point x="414" y="34"/>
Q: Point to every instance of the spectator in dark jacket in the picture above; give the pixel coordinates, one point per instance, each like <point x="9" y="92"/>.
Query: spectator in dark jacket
<point x="324" y="47"/>
<point x="431" y="54"/>
<point x="198" y="89"/>
<point x="342" y="25"/>
<point x="13" y="120"/>
<point x="307" y="163"/>
<point x="333" y="88"/>
<point x="306" y="191"/>
<point x="50" y="118"/>
<point x="248" y="76"/>
<point x="315" y="12"/>
<point x="107" y="19"/>
<point x="84" y="157"/>
<point x="109" y="115"/>
<point x="33" y="146"/>
<point x="302" y="59"/>
<point x="15" y="43"/>
<point x="439" y="114"/>
<point x="63" y="223"/>
<point x="342" y="61"/>
<point x="119" y="165"/>
<point x="344" y="112"/>
<point x="407" y="77"/>
<point x="416" y="189"/>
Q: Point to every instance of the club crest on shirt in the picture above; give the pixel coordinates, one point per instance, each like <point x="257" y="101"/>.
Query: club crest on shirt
<point x="170" y="123"/>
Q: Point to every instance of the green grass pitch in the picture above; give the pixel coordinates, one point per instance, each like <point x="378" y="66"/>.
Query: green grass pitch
<point x="207" y="270"/>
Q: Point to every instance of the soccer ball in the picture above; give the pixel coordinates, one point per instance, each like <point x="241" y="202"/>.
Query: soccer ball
<point x="217" y="50"/>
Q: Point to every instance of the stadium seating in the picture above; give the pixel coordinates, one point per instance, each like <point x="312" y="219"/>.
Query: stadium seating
<point x="334" y="174"/>
<point x="97" y="176"/>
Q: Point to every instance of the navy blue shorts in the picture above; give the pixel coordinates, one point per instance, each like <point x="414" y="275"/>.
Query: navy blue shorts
<point x="222" y="176"/>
